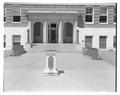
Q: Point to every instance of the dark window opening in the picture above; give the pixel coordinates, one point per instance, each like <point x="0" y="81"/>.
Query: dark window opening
<point x="53" y="25"/>
<point x="102" y="42"/>
<point x="16" y="40"/>
<point x="88" y="41"/>
<point x="103" y="19"/>
<point x="16" y="18"/>
<point x="115" y="18"/>
<point x="114" y="42"/>
<point x="4" y="43"/>
<point x="4" y="19"/>
<point x="115" y="15"/>
<point x="88" y="18"/>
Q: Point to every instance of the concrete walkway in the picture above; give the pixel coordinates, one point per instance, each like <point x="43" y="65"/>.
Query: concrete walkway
<point x="25" y="73"/>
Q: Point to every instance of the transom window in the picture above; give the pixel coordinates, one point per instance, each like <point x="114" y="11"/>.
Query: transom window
<point x="103" y="15"/>
<point x="89" y="15"/>
<point x="102" y="42"/>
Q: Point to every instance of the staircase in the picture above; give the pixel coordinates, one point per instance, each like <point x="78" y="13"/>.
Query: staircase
<point x="55" y="47"/>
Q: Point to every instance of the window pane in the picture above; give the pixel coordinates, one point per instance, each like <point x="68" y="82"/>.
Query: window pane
<point x="114" y="42"/>
<point x="88" y="18"/>
<point x="88" y="41"/>
<point x="115" y="10"/>
<point x="4" y="38"/>
<point x="53" y="25"/>
<point x="115" y="19"/>
<point x="89" y="10"/>
<point x="4" y="44"/>
<point x="16" y="38"/>
<point x="103" y="10"/>
<point x="102" y="42"/>
<point x="16" y="18"/>
<point x="103" y="19"/>
<point x="4" y="19"/>
<point x="16" y="43"/>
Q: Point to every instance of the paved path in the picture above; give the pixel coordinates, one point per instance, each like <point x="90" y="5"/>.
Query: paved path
<point x="24" y="73"/>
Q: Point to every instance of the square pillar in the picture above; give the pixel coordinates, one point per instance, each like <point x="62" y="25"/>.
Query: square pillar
<point x="75" y="33"/>
<point x="44" y="33"/>
<point x="30" y="32"/>
<point x="60" y="32"/>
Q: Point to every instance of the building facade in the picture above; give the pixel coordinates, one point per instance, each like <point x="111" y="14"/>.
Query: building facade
<point x="91" y="24"/>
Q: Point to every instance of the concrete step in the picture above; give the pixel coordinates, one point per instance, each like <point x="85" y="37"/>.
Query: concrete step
<point x="55" y="47"/>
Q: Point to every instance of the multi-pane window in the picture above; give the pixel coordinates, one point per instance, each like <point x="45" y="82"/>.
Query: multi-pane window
<point x="114" y="42"/>
<point x="16" y="14"/>
<point x="4" y="15"/>
<point x="88" y="41"/>
<point x="16" y="18"/>
<point x="4" y="43"/>
<point x="16" y="40"/>
<point x="115" y="15"/>
<point x="89" y="15"/>
<point x="102" y="42"/>
<point x="103" y="15"/>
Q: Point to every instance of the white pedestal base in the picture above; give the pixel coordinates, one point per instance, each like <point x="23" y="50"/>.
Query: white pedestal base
<point x="50" y="71"/>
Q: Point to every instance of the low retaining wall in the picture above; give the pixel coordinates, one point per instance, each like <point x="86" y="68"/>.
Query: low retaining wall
<point x="93" y="52"/>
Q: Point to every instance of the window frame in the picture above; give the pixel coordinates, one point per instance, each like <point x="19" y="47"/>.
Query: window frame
<point x="104" y="15"/>
<point x="114" y="42"/>
<point x="104" y="36"/>
<point x="17" y="15"/>
<point x="15" y="41"/>
<point x="90" y="36"/>
<point x="89" y="15"/>
<point x="115" y="14"/>
<point x="4" y="19"/>
<point x="4" y="41"/>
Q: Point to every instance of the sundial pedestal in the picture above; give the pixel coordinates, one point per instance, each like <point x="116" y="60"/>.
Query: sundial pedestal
<point x="50" y="67"/>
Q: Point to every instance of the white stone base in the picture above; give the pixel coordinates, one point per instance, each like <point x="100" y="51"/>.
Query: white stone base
<point x="50" y="71"/>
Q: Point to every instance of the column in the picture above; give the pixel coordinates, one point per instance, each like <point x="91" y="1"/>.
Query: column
<point x="75" y="32"/>
<point x="44" y="33"/>
<point x="30" y="32"/>
<point x="60" y="32"/>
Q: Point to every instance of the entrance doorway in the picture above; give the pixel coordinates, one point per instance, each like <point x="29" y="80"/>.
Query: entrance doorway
<point x="68" y="32"/>
<point x="38" y="32"/>
<point x="52" y="33"/>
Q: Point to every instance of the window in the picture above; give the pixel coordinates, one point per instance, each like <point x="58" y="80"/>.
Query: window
<point x="4" y="15"/>
<point x="103" y="15"/>
<point x="102" y="42"/>
<point x="89" y="15"/>
<point x="115" y="15"/>
<point x="114" y="42"/>
<point x="4" y="43"/>
<point x="16" y="18"/>
<point x="16" y="40"/>
<point x="88" y="41"/>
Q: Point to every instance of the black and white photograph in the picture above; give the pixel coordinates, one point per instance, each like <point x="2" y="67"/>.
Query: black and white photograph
<point x="59" y="47"/>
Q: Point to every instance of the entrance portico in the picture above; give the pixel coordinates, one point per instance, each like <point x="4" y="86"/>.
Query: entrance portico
<point x="53" y="27"/>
